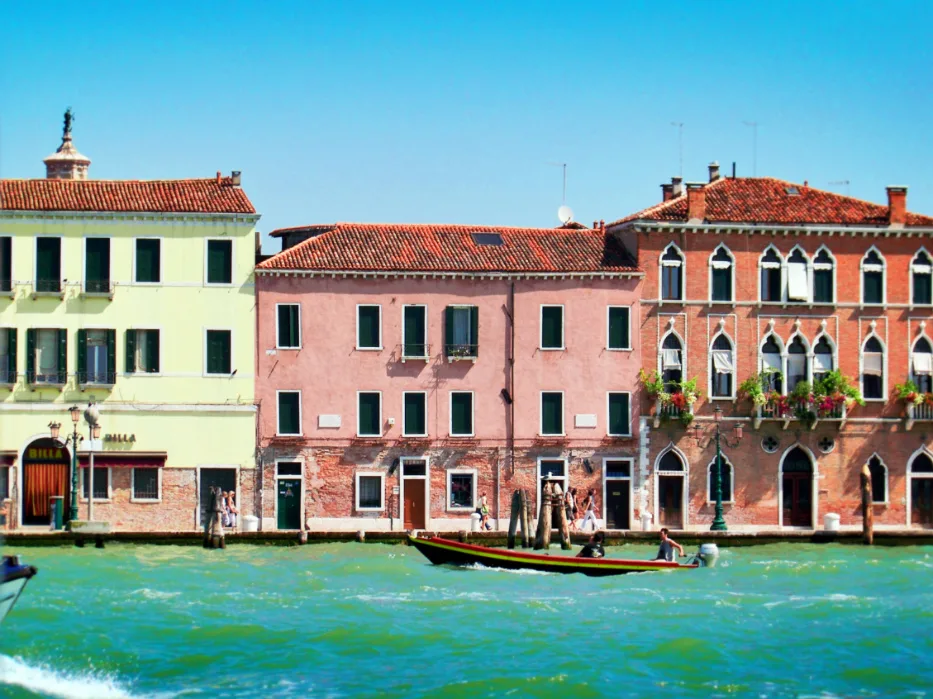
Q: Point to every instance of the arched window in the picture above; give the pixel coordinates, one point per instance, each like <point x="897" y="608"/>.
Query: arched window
<point x="879" y="479"/>
<point x="798" y="281"/>
<point x="727" y="473"/>
<point x="873" y="277"/>
<point x="771" y="359"/>
<point x="873" y="369"/>
<point x="672" y="367"/>
<point x="770" y="264"/>
<point x="796" y="363"/>
<point x="671" y="462"/>
<point x="822" y="359"/>
<point x="921" y="272"/>
<point x="824" y="277"/>
<point x="672" y="270"/>
<point x="922" y="464"/>
<point x="920" y="489"/>
<point x="721" y="275"/>
<point x="922" y="365"/>
<point x="722" y="367"/>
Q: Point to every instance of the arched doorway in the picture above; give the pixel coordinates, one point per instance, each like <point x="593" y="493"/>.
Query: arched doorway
<point x="46" y="465"/>
<point x="797" y="488"/>
<point x="671" y="485"/>
<point x="920" y="475"/>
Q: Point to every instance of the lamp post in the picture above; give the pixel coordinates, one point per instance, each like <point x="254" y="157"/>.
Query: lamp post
<point x="719" y="523"/>
<point x="75" y="416"/>
<point x="92" y="418"/>
<point x="91" y="415"/>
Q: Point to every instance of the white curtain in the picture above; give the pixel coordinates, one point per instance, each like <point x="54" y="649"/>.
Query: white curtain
<point x="822" y="362"/>
<point x="721" y="264"/>
<point x="722" y="361"/>
<point x="47" y="349"/>
<point x="670" y="359"/>
<point x="923" y="363"/>
<point x="771" y="361"/>
<point x="922" y="269"/>
<point x="142" y="351"/>
<point x="871" y="363"/>
<point x="797" y="287"/>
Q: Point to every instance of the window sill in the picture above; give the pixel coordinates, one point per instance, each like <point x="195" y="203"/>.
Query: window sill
<point x="553" y="349"/>
<point x="145" y="501"/>
<point x="551" y="436"/>
<point x="619" y="349"/>
<point x="369" y="349"/>
<point x="105" y="295"/>
<point x="139" y="283"/>
<point x="724" y="502"/>
<point x="369" y="436"/>
<point x="220" y="285"/>
<point x="459" y="509"/>
<point x="461" y="436"/>
<point x="60" y="295"/>
<point x="97" y="500"/>
<point x="289" y="434"/>
<point x="205" y="375"/>
<point x="370" y="509"/>
<point x="728" y="398"/>
<point x="619" y="436"/>
<point x="875" y="400"/>
<point x="135" y="374"/>
<point x="406" y="358"/>
<point x="289" y="348"/>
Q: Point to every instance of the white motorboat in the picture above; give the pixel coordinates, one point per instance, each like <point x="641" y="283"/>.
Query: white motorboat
<point x="13" y="578"/>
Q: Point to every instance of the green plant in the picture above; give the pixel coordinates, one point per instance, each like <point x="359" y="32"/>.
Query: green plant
<point x="653" y="383"/>
<point x="906" y="390"/>
<point x="757" y="387"/>
<point x="686" y="418"/>
<point x="834" y="384"/>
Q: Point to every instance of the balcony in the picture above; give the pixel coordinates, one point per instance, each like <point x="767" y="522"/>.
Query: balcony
<point x="6" y="288"/>
<point x="919" y="413"/>
<point x="55" y="379"/>
<point x="414" y="352"/>
<point x="666" y="412"/>
<point x="102" y="288"/>
<point x="48" y="287"/>
<point x="461" y="352"/>
<point x="802" y="412"/>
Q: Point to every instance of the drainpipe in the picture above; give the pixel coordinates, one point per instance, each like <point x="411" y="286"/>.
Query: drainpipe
<point x="511" y="431"/>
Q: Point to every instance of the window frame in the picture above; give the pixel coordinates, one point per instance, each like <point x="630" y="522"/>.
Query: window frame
<point x="808" y="273"/>
<point x="207" y="242"/>
<point x="161" y="258"/>
<point x="910" y="358"/>
<point x="683" y="274"/>
<point x="5" y="370"/>
<point x="461" y="472"/>
<point x="278" y="414"/>
<point x="84" y="260"/>
<point x="807" y="358"/>
<point x="382" y="490"/>
<point x="381" y="421"/>
<point x="61" y="371"/>
<point x="887" y="481"/>
<point x="609" y="395"/>
<point x="728" y="252"/>
<point x="205" y="373"/>
<point x="424" y="397"/>
<point x="834" y="353"/>
<point x="781" y="271"/>
<point x="563" y="410"/>
<point x="61" y="266"/>
<point x="835" y="272"/>
<point x="138" y="373"/>
<point x="884" y="368"/>
<point x="450" y="414"/>
<point x="711" y="378"/>
<point x="913" y="301"/>
<point x="884" y="280"/>
<point x="277" y="336"/>
<point x="82" y="370"/>
<point x="730" y="500"/>
<point x="628" y="310"/>
<point x="11" y="290"/>
<point x="359" y="348"/>
<point x="133" y="497"/>
<point x="563" y="327"/>
<point x="82" y="470"/>
<point x="683" y="353"/>
<point x="427" y="333"/>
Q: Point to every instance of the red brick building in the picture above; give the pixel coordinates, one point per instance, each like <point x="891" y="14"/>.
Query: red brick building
<point x="743" y="275"/>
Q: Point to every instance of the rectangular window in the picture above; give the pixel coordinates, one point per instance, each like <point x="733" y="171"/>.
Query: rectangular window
<point x="96" y="356"/>
<point x="288" y="321"/>
<point x="142" y="351"/>
<point x="6" y="263"/>
<point x="771" y="284"/>
<point x="461" y="414"/>
<point x="219" y="261"/>
<point x="722" y="283"/>
<point x="288" y="468"/>
<point x="415" y="414"/>
<point x="670" y="282"/>
<point x="101" y="482"/>
<point x="97" y="265"/>
<point x="414" y="332"/>
<point x="369" y="491"/>
<point x="369" y="414"/>
<point x="873" y="287"/>
<point x="618" y="423"/>
<point x="48" y="265"/>
<point x="218" y="351"/>
<point x="619" y="332"/>
<point x="46" y="356"/>
<point x="148" y="260"/>
<point x="822" y="285"/>
<point x="461" y="332"/>
<point x="4" y="482"/>
<point x="552" y="413"/>
<point x="369" y="327"/>
<point x="462" y="489"/>
<point x="145" y="483"/>
<point x="289" y="422"/>
<point x="552" y="327"/>
<point x="7" y="355"/>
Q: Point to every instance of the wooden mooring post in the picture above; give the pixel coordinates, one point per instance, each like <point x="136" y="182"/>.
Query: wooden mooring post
<point x="526" y="520"/>
<point x="516" y="514"/>
<point x="868" y="518"/>
<point x="564" y="524"/>
<point x="543" y="535"/>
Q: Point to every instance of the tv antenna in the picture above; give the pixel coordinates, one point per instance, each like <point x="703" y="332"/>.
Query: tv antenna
<point x="846" y="183"/>
<point x="754" y="125"/>
<point x="563" y="195"/>
<point x="680" y="144"/>
<point x="564" y="213"/>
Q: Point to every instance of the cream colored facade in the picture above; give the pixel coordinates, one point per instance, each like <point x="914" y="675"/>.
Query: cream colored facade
<point x="194" y="419"/>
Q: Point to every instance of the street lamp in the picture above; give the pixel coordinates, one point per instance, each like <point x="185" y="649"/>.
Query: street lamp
<point x="719" y="523"/>
<point x="92" y="418"/>
<point x="75" y="416"/>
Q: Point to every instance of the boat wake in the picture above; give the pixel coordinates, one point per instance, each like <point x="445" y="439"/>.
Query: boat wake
<point x="493" y="569"/>
<point x="44" y="681"/>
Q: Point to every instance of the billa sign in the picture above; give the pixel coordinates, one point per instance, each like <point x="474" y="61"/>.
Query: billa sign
<point x="46" y="455"/>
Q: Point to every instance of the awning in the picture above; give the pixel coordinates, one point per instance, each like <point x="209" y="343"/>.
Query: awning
<point x="771" y="361"/>
<point x="797" y="287"/>
<point x="871" y="363"/>
<point x="722" y="361"/>
<point x="670" y="359"/>
<point x="124" y="460"/>
<point x="923" y="364"/>
<point x="822" y="362"/>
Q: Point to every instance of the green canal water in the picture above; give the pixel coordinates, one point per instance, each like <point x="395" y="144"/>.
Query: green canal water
<point x="354" y="620"/>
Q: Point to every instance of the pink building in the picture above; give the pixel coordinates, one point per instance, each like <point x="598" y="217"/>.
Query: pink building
<point x="406" y="370"/>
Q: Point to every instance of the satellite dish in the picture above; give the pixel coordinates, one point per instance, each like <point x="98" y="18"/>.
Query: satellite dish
<point x="565" y="214"/>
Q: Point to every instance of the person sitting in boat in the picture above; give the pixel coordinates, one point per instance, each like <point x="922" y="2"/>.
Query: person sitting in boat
<point x="666" y="550"/>
<point x="593" y="549"/>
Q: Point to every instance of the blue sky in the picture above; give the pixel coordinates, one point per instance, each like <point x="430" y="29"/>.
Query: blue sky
<point x="452" y="111"/>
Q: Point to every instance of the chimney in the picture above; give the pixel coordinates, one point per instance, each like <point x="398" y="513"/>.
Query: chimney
<point x="897" y="205"/>
<point x="235" y="178"/>
<point x="602" y="224"/>
<point x="218" y="177"/>
<point x="696" y="201"/>
<point x="667" y="192"/>
<point x="713" y="171"/>
<point x="677" y="186"/>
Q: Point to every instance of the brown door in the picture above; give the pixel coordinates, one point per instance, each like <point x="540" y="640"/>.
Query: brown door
<point x="798" y="491"/>
<point x="414" y="503"/>
<point x="671" y="501"/>
<point x="921" y="501"/>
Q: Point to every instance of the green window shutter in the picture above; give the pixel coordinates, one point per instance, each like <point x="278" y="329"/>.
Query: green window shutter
<point x="722" y="284"/>
<point x="62" y="356"/>
<point x="148" y="260"/>
<point x="448" y="330"/>
<point x="30" y="355"/>
<point x="219" y="261"/>
<point x="823" y="285"/>
<point x="415" y="413"/>
<point x="414" y="330"/>
<point x="873" y="287"/>
<point x="922" y="288"/>
<point x="152" y="349"/>
<point x="368" y="322"/>
<point x="552" y="327"/>
<point x="289" y="413"/>
<point x="369" y="415"/>
<point x="81" y="351"/>
<point x="552" y="413"/>
<point x="474" y="329"/>
<point x="218" y="352"/>
<point x="461" y="414"/>
<point x="618" y="414"/>
<point x="97" y="264"/>
<point x="11" y="348"/>
<point x="289" y="331"/>
<point x="295" y="314"/>
<point x="48" y="264"/>
<point x="6" y="263"/>
<point x="130" y="351"/>
<point x="111" y="356"/>
<point x="618" y="328"/>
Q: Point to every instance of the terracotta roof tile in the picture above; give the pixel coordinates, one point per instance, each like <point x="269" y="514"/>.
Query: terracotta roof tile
<point x="163" y="196"/>
<point x="399" y="247"/>
<point x="767" y="200"/>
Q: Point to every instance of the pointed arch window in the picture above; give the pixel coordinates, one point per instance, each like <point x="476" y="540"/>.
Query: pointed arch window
<point x="873" y="369"/>
<point x="796" y="363"/>
<point x="722" y="368"/>
<point x="671" y="461"/>
<point x="921" y="365"/>
<point x="771" y="359"/>
<point x="873" y="277"/>
<point x="824" y="277"/>
<point x="921" y="273"/>
<point x="822" y="359"/>
<point x="672" y="368"/>
<point x="798" y="280"/>
<point x="770" y="264"/>
<point x="728" y="494"/>
<point x="721" y="263"/>
<point x="672" y="271"/>
<point x="879" y="479"/>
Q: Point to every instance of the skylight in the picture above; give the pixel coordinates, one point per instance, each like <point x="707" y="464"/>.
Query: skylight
<point x="792" y="191"/>
<point x="487" y="238"/>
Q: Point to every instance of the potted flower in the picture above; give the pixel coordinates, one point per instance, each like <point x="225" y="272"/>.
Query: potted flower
<point x="756" y="388"/>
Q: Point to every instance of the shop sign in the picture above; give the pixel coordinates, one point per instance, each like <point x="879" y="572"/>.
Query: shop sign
<point x="125" y="438"/>
<point x="46" y="455"/>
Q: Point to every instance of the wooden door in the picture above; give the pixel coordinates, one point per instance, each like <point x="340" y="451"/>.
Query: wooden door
<point x="414" y="503"/>
<point x="289" y="504"/>
<point x="671" y="501"/>
<point x="224" y="478"/>
<point x="798" y="499"/>
<point x="921" y="501"/>
<point x="617" y="504"/>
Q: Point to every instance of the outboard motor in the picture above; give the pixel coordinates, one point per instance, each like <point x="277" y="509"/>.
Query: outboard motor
<point x="708" y="555"/>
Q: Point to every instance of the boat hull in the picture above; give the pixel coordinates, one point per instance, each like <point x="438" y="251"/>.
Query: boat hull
<point x="13" y="578"/>
<point x="443" y="551"/>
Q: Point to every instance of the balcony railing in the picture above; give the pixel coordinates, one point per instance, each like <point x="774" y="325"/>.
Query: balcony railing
<point x="922" y="412"/>
<point x="98" y="287"/>
<point x="668" y="411"/>
<point x="52" y="378"/>
<point x="802" y="411"/>
<point x="97" y="378"/>
<point x="48" y="286"/>
<point x="459" y="351"/>
<point x="413" y="351"/>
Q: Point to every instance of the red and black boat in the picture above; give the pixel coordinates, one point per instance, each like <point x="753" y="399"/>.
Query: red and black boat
<point x="444" y="551"/>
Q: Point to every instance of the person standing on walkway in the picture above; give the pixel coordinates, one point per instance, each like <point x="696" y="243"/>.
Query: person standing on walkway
<point x="589" y="510"/>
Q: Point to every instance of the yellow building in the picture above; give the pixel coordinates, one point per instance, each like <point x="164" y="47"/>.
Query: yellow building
<point x="137" y="296"/>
